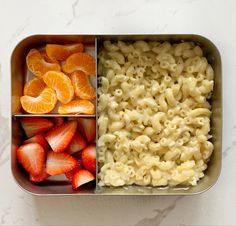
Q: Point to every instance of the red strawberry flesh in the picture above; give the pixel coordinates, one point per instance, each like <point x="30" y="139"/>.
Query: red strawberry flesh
<point x="77" y="144"/>
<point x="60" y="137"/>
<point x="71" y="173"/>
<point x="35" y="125"/>
<point x="39" y="178"/>
<point x="32" y="157"/>
<point x="89" y="158"/>
<point x="39" y="139"/>
<point x="58" y="121"/>
<point x="82" y="177"/>
<point x="58" y="163"/>
<point x="87" y="127"/>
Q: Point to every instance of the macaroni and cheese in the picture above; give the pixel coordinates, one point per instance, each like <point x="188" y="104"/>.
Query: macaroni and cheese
<point x="154" y="114"/>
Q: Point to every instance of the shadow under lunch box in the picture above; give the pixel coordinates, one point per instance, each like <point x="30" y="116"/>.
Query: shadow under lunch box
<point x="62" y="186"/>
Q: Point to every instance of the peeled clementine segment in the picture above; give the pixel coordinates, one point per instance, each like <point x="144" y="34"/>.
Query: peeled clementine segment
<point x="42" y="104"/>
<point x="61" y="84"/>
<point x="77" y="107"/>
<point x="61" y="52"/>
<point x="46" y="57"/>
<point x="38" y="65"/>
<point x="34" y="87"/>
<point x="82" y="86"/>
<point x="80" y="62"/>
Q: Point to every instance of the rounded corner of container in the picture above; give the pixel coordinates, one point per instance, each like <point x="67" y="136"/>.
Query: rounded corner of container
<point x="209" y="41"/>
<point x="210" y="186"/>
<point x="19" y="185"/>
<point x="22" y="41"/>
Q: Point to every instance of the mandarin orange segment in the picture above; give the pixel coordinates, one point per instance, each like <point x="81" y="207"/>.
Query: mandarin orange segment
<point x="80" y="62"/>
<point x="82" y="86"/>
<point x="38" y="65"/>
<point x="77" y="107"/>
<point x="42" y="104"/>
<point x="46" y="57"/>
<point x="61" y="84"/>
<point x="61" y="52"/>
<point x="34" y="87"/>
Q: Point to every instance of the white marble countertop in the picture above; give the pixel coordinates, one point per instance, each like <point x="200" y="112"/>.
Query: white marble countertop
<point x="214" y="19"/>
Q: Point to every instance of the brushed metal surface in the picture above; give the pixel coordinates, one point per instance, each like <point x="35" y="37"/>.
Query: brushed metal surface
<point x="18" y="73"/>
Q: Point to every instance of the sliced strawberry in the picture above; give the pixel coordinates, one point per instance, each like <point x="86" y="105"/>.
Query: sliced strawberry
<point x="32" y="157"/>
<point x="77" y="144"/>
<point x="71" y="173"/>
<point x="39" y="139"/>
<point x="39" y="178"/>
<point x="58" y="121"/>
<point x="58" y="163"/>
<point x="87" y="127"/>
<point x="35" y="125"/>
<point x="60" y="137"/>
<point x="89" y="158"/>
<point x="82" y="177"/>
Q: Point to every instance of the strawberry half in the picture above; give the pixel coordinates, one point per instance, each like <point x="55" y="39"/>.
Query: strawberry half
<point x="58" y="121"/>
<point x="71" y="173"/>
<point x="39" y="178"/>
<point x="89" y="158"/>
<point x="82" y="177"/>
<point x="39" y="139"/>
<point x="60" y="137"/>
<point x="35" y="125"/>
<point x="58" y="163"/>
<point x="87" y="127"/>
<point x="77" y="144"/>
<point x="32" y="157"/>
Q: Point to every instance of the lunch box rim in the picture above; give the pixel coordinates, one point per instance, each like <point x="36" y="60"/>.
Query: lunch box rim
<point x="99" y="37"/>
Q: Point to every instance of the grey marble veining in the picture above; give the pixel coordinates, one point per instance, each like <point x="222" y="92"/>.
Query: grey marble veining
<point x="160" y="215"/>
<point x="121" y="13"/>
<point x="4" y="137"/>
<point x="213" y="19"/>
<point x="20" y="29"/>
<point x="232" y="145"/>
<point x="74" y="13"/>
<point x="4" y="213"/>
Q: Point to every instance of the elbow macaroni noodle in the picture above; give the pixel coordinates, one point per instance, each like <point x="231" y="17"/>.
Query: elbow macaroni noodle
<point x="154" y="114"/>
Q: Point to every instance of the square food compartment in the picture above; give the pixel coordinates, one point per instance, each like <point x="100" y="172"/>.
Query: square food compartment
<point x="58" y="184"/>
<point x="18" y="68"/>
<point x="21" y="74"/>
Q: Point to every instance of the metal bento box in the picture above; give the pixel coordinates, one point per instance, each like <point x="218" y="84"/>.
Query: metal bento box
<point x="19" y="75"/>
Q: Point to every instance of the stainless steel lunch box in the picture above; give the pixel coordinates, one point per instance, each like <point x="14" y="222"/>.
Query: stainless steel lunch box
<point x="62" y="187"/>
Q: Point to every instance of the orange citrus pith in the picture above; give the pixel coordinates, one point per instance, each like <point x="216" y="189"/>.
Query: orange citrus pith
<point x="80" y="62"/>
<point x="61" y="52"/>
<point x="61" y="84"/>
<point x="77" y="107"/>
<point x="83" y="88"/>
<point x="46" y="57"/>
<point x="42" y="104"/>
<point x="38" y="65"/>
<point x="34" y="87"/>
